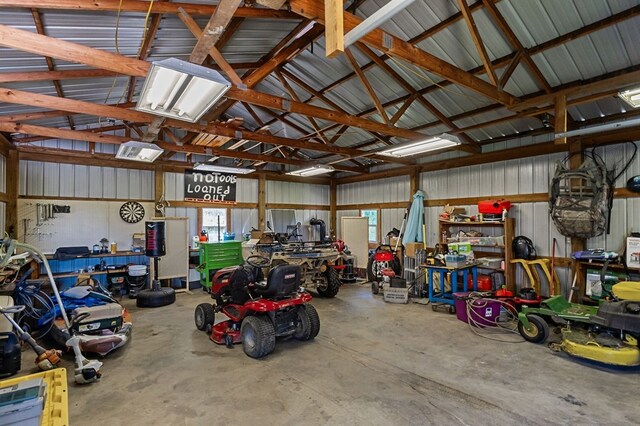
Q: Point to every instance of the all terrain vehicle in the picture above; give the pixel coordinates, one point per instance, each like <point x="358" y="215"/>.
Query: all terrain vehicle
<point x="258" y="310"/>
<point x="316" y="263"/>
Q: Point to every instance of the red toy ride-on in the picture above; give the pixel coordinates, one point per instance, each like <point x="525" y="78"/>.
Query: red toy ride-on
<point x="258" y="310"/>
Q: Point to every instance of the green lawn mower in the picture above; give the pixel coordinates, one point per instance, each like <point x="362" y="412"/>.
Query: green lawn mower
<point x="608" y="333"/>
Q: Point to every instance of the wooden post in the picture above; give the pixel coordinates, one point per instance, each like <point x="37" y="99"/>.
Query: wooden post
<point x="159" y="187"/>
<point x="262" y="201"/>
<point x="333" y="207"/>
<point x="333" y="27"/>
<point x="561" y="118"/>
<point x="414" y="181"/>
<point x="576" y="157"/>
<point x="11" y="219"/>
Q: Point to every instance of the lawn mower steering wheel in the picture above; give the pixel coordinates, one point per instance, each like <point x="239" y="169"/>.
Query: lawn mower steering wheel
<point x="258" y="261"/>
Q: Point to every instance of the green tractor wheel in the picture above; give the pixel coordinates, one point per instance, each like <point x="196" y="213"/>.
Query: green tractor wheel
<point x="537" y="331"/>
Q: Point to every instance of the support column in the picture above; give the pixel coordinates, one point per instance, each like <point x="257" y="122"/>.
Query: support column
<point x="11" y="217"/>
<point x="333" y="210"/>
<point x="414" y="181"/>
<point x="158" y="187"/>
<point x="560" y="125"/>
<point x="577" y="244"/>
<point x="262" y="201"/>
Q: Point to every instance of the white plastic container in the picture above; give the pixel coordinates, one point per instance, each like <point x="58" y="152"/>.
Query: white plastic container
<point x="137" y="270"/>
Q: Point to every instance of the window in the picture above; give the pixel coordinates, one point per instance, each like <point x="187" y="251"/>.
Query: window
<point x="214" y="221"/>
<point x="372" y="215"/>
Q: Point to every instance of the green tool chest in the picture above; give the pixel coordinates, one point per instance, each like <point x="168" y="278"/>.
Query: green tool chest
<point x="214" y="256"/>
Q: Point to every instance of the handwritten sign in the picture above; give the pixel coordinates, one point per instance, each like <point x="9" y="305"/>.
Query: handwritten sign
<point x="209" y="187"/>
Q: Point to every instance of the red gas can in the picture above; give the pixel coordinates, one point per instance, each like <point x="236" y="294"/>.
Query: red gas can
<point x="484" y="282"/>
<point x="493" y="206"/>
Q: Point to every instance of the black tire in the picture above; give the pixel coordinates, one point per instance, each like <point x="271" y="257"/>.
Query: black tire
<point x="452" y="310"/>
<point x="333" y="283"/>
<point x="434" y="307"/>
<point x="538" y="329"/>
<point x="258" y="336"/>
<point x="204" y="316"/>
<point x="309" y="324"/>
<point x="155" y="298"/>
<point x="375" y="287"/>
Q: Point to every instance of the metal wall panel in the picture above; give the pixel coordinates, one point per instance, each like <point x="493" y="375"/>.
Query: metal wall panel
<point x="247" y="191"/>
<point x="382" y="190"/>
<point x="189" y="212"/>
<point x="79" y="181"/>
<point x="297" y="193"/>
<point x="389" y="219"/>
<point x="242" y="220"/>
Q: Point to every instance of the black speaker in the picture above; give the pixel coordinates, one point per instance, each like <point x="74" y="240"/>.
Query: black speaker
<point x="155" y="239"/>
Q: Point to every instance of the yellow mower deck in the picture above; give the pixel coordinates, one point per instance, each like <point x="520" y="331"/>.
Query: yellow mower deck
<point x="581" y="344"/>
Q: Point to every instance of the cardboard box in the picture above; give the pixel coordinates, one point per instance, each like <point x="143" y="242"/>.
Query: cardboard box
<point x="411" y="248"/>
<point x="633" y="252"/>
<point x="453" y="210"/>
<point x="255" y="235"/>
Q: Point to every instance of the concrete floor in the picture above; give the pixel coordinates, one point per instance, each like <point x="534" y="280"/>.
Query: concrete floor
<point x="372" y="363"/>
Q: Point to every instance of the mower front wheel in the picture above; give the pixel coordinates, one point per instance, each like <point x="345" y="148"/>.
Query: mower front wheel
<point x="375" y="287"/>
<point x="204" y="316"/>
<point x="309" y="323"/>
<point x="258" y="336"/>
<point x="537" y="331"/>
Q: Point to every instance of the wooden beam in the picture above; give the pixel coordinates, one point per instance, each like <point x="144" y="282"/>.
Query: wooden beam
<point x="214" y="29"/>
<point x="143" y="7"/>
<point x="215" y="54"/>
<point x="11" y="214"/>
<point x="515" y="43"/>
<point x="393" y="46"/>
<point x="508" y="72"/>
<point x="477" y="40"/>
<point x="333" y="204"/>
<point x="334" y="28"/>
<point x="561" y="118"/>
<point x="368" y="87"/>
<point x="230" y="31"/>
<point x="14" y="77"/>
<point x="262" y="201"/>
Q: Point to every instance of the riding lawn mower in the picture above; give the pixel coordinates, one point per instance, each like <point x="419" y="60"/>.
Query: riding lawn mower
<point x="258" y="310"/>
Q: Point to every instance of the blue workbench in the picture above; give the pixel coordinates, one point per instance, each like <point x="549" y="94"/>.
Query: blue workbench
<point x="439" y="296"/>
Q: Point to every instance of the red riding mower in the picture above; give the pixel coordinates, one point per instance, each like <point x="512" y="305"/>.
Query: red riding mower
<point x="258" y="310"/>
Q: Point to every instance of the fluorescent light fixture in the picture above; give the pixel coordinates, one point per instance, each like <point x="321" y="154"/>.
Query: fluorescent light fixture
<point x="382" y="15"/>
<point x="412" y="148"/>
<point x="222" y="169"/>
<point x="181" y="90"/>
<point x="139" y="151"/>
<point x="631" y="96"/>
<point x="312" y="171"/>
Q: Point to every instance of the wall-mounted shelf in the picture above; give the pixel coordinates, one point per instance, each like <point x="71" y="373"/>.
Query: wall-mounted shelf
<point x="508" y="227"/>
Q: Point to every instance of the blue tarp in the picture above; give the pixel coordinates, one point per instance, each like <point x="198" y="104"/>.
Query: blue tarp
<point x="413" y="232"/>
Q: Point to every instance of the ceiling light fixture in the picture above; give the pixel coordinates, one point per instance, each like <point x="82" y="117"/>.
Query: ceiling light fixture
<point x="382" y="15"/>
<point x="631" y="96"/>
<point x="312" y="171"/>
<point x="418" y="147"/>
<point x="181" y="90"/>
<point x="222" y="169"/>
<point x="139" y="151"/>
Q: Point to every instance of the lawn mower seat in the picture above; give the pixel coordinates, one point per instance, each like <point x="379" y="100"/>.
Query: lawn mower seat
<point x="282" y="281"/>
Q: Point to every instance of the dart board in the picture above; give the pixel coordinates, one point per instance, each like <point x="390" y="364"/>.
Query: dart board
<point x="132" y="212"/>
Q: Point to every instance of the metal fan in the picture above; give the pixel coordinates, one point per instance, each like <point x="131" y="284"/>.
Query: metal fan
<point x="132" y="212"/>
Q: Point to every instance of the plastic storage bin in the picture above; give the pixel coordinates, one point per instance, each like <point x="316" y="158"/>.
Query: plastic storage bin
<point x="482" y="312"/>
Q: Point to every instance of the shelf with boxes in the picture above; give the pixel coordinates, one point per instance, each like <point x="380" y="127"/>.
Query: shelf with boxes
<point x="492" y="239"/>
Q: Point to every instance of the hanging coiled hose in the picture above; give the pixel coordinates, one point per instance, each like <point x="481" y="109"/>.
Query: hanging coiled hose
<point x="504" y="324"/>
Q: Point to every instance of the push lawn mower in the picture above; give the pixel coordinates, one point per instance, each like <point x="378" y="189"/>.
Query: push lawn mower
<point x="384" y="258"/>
<point x="608" y="334"/>
<point x="258" y="310"/>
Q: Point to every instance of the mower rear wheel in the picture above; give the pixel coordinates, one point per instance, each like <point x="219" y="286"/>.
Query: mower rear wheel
<point x="258" y="336"/>
<point x="375" y="287"/>
<point x="204" y="316"/>
<point x="332" y="286"/>
<point x="309" y="324"/>
<point x="538" y="329"/>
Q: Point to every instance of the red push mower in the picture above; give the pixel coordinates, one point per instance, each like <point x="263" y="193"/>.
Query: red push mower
<point x="383" y="265"/>
<point x="258" y="310"/>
